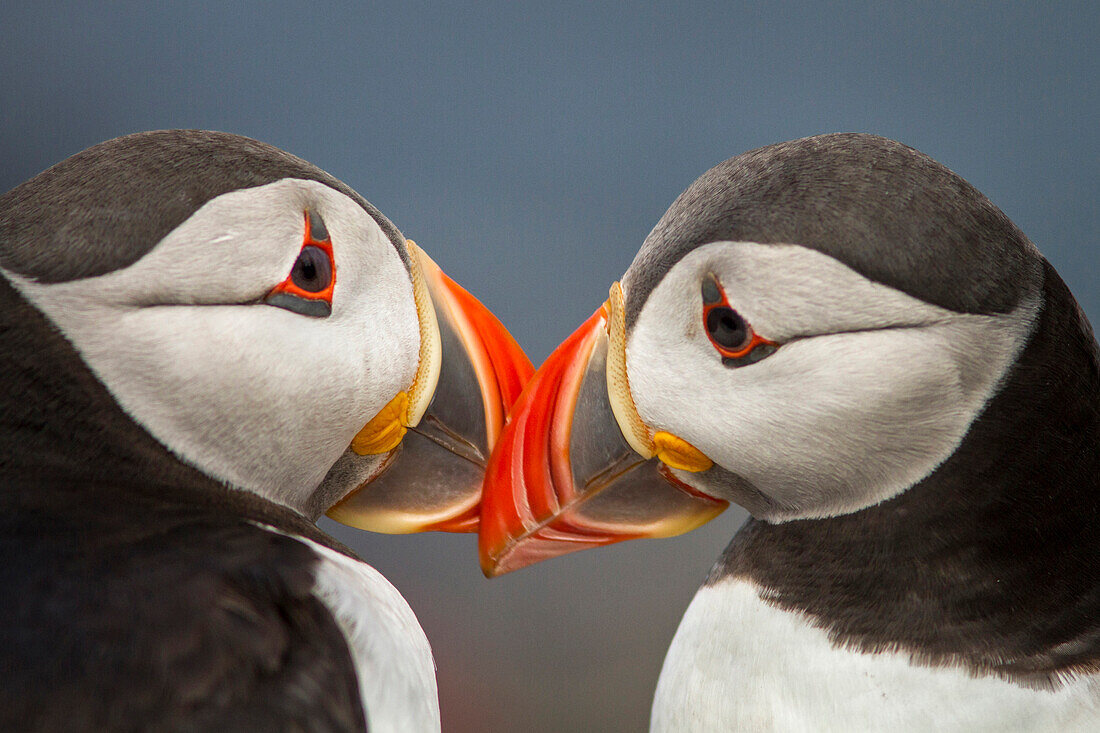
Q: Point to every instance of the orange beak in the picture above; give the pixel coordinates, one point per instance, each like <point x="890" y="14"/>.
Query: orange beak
<point x="431" y="476"/>
<point x="563" y="477"/>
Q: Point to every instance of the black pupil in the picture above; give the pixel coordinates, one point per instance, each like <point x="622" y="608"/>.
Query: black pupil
<point x="726" y="328"/>
<point x="312" y="271"/>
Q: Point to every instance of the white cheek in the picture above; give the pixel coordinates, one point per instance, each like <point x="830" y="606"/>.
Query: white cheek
<point x="258" y="396"/>
<point x="827" y="424"/>
<point x="254" y="395"/>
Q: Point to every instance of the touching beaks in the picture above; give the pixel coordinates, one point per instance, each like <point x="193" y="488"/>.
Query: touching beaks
<point x="576" y="467"/>
<point x="439" y="433"/>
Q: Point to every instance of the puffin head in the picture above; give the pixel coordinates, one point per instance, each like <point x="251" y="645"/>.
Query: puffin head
<point x="809" y="330"/>
<point x="268" y="326"/>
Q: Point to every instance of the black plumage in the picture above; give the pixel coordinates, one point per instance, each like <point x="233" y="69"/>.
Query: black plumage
<point x="993" y="560"/>
<point x="137" y="592"/>
<point x="105" y="207"/>
<point x="889" y="212"/>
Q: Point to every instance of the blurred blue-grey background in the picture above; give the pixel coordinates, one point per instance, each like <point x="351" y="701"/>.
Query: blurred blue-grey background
<point x="530" y="149"/>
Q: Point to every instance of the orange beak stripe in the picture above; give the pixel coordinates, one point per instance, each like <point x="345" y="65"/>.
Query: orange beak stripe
<point x="502" y="367"/>
<point x="549" y="491"/>
<point x="529" y="479"/>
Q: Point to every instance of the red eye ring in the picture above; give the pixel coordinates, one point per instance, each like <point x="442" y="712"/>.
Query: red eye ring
<point x="316" y="236"/>
<point x="730" y="334"/>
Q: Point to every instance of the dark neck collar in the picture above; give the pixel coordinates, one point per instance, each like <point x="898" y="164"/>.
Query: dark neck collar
<point x="992" y="561"/>
<point x="66" y="447"/>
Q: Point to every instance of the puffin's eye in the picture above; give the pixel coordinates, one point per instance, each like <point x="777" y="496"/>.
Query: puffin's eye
<point x="727" y="329"/>
<point x="729" y="333"/>
<point x="308" y="289"/>
<point x="312" y="270"/>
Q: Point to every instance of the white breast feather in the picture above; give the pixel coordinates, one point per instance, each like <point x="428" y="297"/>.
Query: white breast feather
<point x="738" y="663"/>
<point x="391" y="653"/>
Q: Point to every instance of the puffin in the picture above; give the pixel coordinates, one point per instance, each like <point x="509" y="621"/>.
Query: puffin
<point x="206" y="343"/>
<point x="848" y="340"/>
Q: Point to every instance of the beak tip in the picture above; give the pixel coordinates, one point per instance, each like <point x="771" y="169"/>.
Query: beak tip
<point x="494" y="567"/>
<point x="490" y="565"/>
<point x="489" y="551"/>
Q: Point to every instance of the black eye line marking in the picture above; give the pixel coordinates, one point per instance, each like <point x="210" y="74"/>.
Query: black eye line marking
<point x="712" y="292"/>
<point x="313" y="308"/>
<point x="318" y="232"/>
<point x="757" y="354"/>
